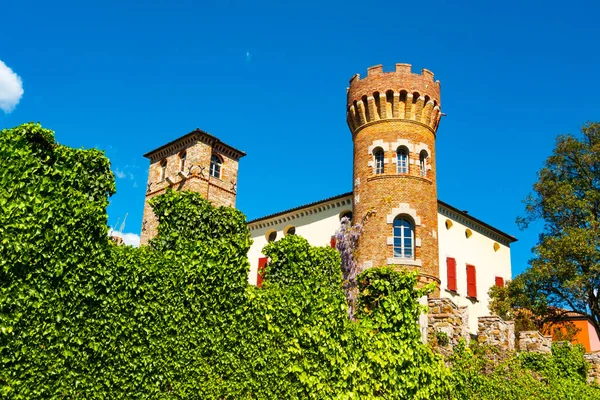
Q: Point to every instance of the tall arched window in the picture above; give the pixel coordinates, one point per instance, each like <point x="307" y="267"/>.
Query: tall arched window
<point x="402" y="160"/>
<point x="403" y="238"/>
<point x="215" y="166"/>
<point x="423" y="162"/>
<point x="182" y="157"/>
<point x="378" y="158"/>
<point x="163" y="170"/>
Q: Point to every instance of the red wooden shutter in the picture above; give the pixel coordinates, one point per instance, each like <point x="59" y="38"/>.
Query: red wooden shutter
<point x="499" y="281"/>
<point x="332" y="242"/>
<point x="451" y="269"/>
<point x="471" y="281"/>
<point x="262" y="262"/>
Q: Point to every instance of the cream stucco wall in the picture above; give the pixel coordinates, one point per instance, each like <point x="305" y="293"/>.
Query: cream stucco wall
<point x="477" y="250"/>
<point x="317" y="224"/>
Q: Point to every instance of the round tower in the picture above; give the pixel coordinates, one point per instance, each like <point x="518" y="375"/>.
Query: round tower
<point x="393" y="117"/>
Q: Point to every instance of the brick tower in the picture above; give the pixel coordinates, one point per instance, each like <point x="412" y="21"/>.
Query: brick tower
<point x="198" y="162"/>
<point x="393" y="117"/>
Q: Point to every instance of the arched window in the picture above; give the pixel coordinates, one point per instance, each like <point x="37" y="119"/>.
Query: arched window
<point x="163" y="170"/>
<point x="182" y="157"/>
<point x="291" y="230"/>
<point x="402" y="160"/>
<point x="403" y="238"/>
<point x="378" y="158"/>
<point x="346" y="214"/>
<point x="271" y="236"/>
<point x="215" y="166"/>
<point x="423" y="162"/>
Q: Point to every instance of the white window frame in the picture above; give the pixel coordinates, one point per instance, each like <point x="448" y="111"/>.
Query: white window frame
<point x="215" y="166"/>
<point x="402" y="160"/>
<point x="402" y="250"/>
<point x="378" y="161"/>
<point x="423" y="156"/>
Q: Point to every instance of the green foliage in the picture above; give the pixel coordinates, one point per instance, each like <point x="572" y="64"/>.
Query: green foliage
<point x="81" y="317"/>
<point x="442" y="338"/>
<point x="293" y="261"/>
<point x="564" y="271"/>
<point x="561" y="375"/>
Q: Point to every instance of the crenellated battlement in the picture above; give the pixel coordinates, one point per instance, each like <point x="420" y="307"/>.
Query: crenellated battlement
<point x="400" y="94"/>
<point x="404" y="69"/>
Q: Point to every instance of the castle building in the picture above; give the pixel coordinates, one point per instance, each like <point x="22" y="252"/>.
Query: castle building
<point x="393" y="118"/>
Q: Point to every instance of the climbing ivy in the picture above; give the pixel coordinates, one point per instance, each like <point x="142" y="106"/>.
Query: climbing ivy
<point x="81" y="317"/>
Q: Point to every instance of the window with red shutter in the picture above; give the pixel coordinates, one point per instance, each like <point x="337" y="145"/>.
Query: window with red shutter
<point x="471" y="281"/>
<point x="499" y="281"/>
<point x="451" y="269"/>
<point x="332" y="242"/>
<point x="262" y="262"/>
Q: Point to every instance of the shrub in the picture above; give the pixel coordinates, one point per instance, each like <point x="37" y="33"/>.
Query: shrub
<point x="442" y="338"/>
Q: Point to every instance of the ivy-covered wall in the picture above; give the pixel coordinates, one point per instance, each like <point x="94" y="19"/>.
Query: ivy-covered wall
<point x="83" y="318"/>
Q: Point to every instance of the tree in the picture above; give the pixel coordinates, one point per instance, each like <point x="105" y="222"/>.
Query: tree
<point x="565" y="269"/>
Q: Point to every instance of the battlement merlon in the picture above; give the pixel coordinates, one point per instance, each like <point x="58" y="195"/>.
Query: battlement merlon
<point x="402" y="79"/>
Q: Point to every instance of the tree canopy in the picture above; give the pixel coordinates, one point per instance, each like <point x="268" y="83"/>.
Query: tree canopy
<point x="565" y="269"/>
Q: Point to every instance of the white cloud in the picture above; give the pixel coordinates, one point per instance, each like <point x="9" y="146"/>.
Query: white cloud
<point x="11" y="88"/>
<point x="130" y="239"/>
<point x="120" y="174"/>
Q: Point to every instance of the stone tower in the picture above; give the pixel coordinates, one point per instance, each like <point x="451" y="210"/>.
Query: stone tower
<point x="393" y="117"/>
<point x="198" y="162"/>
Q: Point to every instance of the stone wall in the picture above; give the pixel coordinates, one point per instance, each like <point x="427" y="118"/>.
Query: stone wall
<point x="446" y="317"/>
<point x="534" y="341"/>
<point x="594" y="373"/>
<point x="447" y="320"/>
<point x="494" y="331"/>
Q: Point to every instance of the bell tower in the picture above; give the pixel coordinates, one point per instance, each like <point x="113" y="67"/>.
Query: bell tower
<point x="393" y="117"/>
<point x="198" y="162"/>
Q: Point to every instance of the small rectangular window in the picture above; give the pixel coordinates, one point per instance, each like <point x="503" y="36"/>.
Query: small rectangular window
<point x="262" y="262"/>
<point x="451" y="270"/>
<point x="471" y="281"/>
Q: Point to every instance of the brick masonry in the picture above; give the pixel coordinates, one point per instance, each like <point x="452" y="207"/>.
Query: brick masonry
<point x="386" y="110"/>
<point x="192" y="175"/>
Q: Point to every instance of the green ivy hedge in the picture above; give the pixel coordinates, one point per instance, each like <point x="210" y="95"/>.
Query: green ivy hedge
<point x="83" y="318"/>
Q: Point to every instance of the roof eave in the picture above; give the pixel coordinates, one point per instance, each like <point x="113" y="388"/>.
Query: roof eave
<point x="196" y="131"/>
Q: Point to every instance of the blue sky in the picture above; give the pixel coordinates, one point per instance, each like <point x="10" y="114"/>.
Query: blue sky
<point x="270" y="78"/>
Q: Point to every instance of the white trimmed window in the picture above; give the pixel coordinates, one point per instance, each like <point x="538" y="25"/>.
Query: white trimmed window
<point x="402" y="160"/>
<point x="215" y="166"/>
<point x="423" y="162"/>
<point x="378" y="159"/>
<point x="403" y="237"/>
